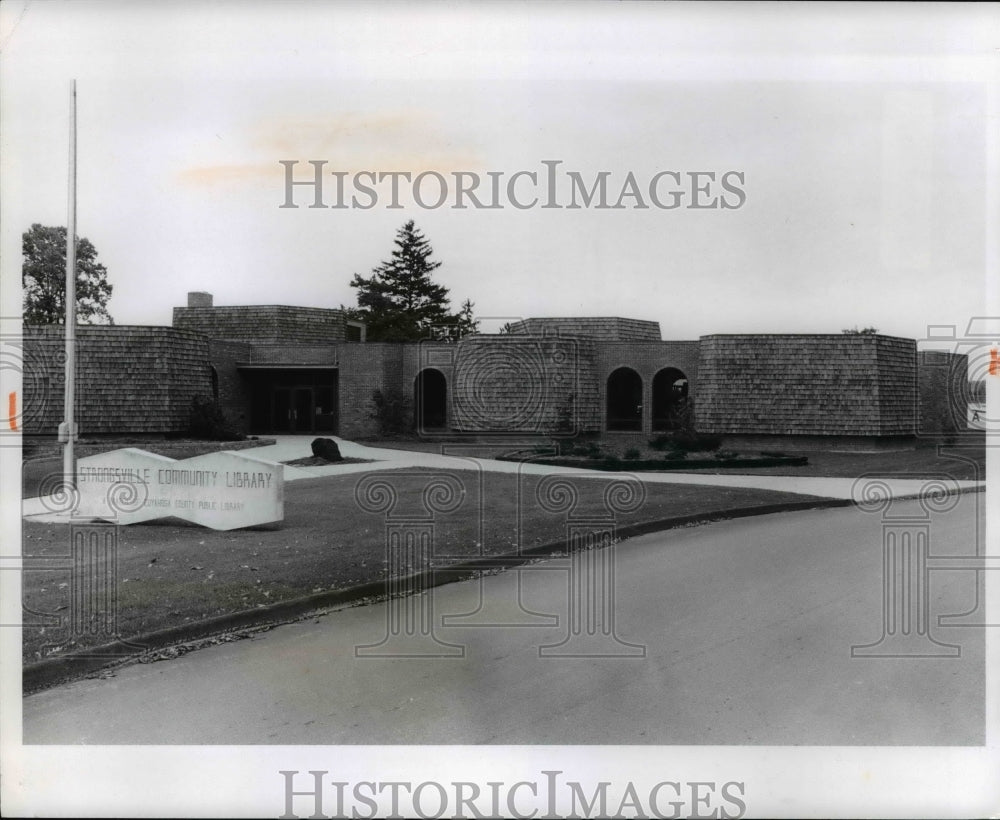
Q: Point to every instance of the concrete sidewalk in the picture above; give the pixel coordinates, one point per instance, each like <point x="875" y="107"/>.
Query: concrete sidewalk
<point x="288" y="448"/>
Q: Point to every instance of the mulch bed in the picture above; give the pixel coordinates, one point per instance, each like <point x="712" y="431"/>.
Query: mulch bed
<point x="319" y="461"/>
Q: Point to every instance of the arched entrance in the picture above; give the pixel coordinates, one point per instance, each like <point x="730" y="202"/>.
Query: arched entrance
<point x="670" y="396"/>
<point x="430" y="400"/>
<point x="624" y="400"/>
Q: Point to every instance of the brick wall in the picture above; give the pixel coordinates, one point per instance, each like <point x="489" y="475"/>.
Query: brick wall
<point x="519" y="384"/>
<point x="128" y="378"/>
<point x="365" y="368"/>
<point x="495" y="384"/>
<point x="802" y="385"/>
<point x="289" y="354"/>
<point x="264" y="323"/>
<point x="646" y="360"/>
<point x="142" y="379"/>
<point x="233" y="390"/>
<point x="607" y="328"/>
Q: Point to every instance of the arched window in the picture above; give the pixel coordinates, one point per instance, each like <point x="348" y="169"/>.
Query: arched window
<point x="670" y="398"/>
<point x="624" y="400"/>
<point x="430" y="400"/>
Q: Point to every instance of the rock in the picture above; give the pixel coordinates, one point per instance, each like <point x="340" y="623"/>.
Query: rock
<point x="326" y="448"/>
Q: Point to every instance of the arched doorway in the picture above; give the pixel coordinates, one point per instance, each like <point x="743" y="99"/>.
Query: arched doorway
<point x="430" y="400"/>
<point x="624" y="400"/>
<point x="670" y="396"/>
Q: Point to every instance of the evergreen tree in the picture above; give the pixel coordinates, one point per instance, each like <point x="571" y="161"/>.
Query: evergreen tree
<point x="43" y="277"/>
<point x="400" y="303"/>
<point x="465" y="321"/>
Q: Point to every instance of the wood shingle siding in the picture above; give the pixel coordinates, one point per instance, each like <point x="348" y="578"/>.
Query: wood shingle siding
<point x="129" y="378"/>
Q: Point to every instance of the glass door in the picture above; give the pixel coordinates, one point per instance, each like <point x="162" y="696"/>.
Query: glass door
<point x="302" y="410"/>
<point x="293" y="410"/>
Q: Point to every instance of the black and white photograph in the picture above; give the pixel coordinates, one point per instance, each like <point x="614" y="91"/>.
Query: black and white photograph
<point x="572" y="409"/>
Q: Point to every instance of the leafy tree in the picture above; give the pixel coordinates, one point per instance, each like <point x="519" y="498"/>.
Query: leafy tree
<point x="400" y="303"/>
<point x="865" y="331"/>
<point x="43" y="276"/>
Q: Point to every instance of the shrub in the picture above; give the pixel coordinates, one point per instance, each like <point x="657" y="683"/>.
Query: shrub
<point x="393" y="412"/>
<point x="631" y="454"/>
<point x="675" y="455"/>
<point x="691" y="442"/>
<point x="207" y="421"/>
<point x="564" y="415"/>
<point x="664" y="441"/>
<point x="686" y="440"/>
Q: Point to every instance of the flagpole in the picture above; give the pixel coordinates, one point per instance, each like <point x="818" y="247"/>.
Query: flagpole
<point x="68" y="428"/>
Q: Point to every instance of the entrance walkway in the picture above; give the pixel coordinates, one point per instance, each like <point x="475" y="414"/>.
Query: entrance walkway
<point x="287" y="448"/>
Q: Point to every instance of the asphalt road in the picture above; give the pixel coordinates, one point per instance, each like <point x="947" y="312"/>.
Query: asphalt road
<point x="738" y="632"/>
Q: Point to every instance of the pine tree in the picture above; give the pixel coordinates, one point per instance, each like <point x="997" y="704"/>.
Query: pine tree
<point x="43" y="277"/>
<point x="400" y="303"/>
<point x="465" y="321"/>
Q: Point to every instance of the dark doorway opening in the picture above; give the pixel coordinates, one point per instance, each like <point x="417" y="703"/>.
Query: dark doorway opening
<point x="670" y="399"/>
<point x="430" y="400"/>
<point x="293" y="401"/>
<point x="625" y="400"/>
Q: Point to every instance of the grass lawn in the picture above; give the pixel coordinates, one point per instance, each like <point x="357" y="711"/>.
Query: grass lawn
<point x="170" y="573"/>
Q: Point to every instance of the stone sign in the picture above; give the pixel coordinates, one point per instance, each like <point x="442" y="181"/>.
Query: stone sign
<point x="222" y="491"/>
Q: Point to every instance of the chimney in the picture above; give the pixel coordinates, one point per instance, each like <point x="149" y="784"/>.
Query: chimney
<point x="199" y="299"/>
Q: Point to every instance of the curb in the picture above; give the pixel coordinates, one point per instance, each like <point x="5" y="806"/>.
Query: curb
<point x="48" y="673"/>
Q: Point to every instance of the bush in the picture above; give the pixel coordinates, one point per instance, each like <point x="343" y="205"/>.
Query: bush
<point x="692" y="442"/>
<point x="393" y="411"/>
<point x="687" y="440"/>
<point x="664" y="441"/>
<point x="675" y="455"/>
<point x="565" y="416"/>
<point x="631" y="454"/>
<point x="207" y="421"/>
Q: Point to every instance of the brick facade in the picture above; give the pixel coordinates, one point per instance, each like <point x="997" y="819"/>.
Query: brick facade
<point x="646" y="359"/>
<point x="549" y="377"/>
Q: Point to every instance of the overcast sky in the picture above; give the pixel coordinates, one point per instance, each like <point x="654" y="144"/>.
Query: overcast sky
<point x="860" y="135"/>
